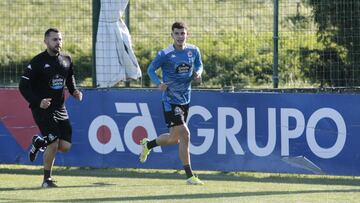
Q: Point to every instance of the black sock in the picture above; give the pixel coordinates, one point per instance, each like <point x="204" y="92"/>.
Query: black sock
<point x="152" y="144"/>
<point x="188" y="171"/>
<point x="47" y="174"/>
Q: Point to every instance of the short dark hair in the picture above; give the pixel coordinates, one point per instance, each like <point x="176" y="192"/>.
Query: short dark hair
<point x="47" y="33"/>
<point x="178" y="25"/>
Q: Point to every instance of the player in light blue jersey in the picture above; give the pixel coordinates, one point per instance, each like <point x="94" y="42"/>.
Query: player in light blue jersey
<point x="180" y="64"/>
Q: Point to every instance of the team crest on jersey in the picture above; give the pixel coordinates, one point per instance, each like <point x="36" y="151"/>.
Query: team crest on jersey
<point x="57" y="82"/>
<point x="190" y="54"/>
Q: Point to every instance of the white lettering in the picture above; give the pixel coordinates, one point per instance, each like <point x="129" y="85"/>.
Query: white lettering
<point x="321" y="152"/>
<point x="208" y="134"/>
<point x="229" y="125"/>
<point x="286" y="133"/>
<point x="115" y="140"/>
<point x="143" y="120"/>
<point x="225" y="133"/>
<point x="271" y="141"/>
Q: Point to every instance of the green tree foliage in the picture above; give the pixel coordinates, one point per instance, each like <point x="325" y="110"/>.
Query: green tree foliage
<point x="339" y="31"/>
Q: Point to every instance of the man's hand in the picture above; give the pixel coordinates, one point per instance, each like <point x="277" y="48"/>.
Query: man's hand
<point x="162" y="86"/>
<point x="197" y="77"/>
<point x="78" y="95"/>
<point x="45" y="103"/>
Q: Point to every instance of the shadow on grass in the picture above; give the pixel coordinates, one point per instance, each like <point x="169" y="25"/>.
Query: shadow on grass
<point x="40" y="188"/>
<point x="215" y="176"/>
<point x="193" y="196"/>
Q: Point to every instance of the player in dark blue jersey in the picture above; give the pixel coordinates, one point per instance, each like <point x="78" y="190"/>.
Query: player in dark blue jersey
<point x="180" y="64"/>
<point x="42" y="85"/>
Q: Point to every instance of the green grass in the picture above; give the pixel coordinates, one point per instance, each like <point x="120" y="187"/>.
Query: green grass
<point x="21" y="183"/>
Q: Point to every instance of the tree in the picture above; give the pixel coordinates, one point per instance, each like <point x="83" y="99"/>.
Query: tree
<point x="339" y="30"/>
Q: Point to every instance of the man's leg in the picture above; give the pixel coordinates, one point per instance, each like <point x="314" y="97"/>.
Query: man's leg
<point x="64" y="131"/>
<point x="162" y="140"/>
<point x="178" y="135"/>
<point x="49" y="155"/>
<point x="184" y="154"/>
<point x="166" y="139"/>
<point x="64" y="146"/>
<point x="184" y="140"/>
<point x="39" y="142"/>
<point x="49" y="158"/>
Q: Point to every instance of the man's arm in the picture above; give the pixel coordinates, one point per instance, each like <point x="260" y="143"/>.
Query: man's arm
<point x="198" y="67"/>
<point x="71" y="84"/>
<point x="26" y="89"/>
<point x="70" y="79"/>
<point x="198" y="63"/>
<point x="152" y="74"/>
<point x="154" y="65"/>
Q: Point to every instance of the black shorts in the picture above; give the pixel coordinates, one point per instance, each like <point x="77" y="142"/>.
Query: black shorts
<point x="177" y="115"/>
<point x="55" y="122"/>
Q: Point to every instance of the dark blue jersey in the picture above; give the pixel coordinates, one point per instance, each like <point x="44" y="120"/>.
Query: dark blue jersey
<point x="177" y="68"/>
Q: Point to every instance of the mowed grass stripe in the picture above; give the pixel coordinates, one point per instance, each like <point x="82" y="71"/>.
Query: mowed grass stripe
<point x="21" y="183"/>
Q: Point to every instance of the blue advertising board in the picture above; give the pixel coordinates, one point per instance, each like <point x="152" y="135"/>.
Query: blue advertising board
<point x="265" y="132"/>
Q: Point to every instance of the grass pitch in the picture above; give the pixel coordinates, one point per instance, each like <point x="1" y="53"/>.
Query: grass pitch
<point x="19" y="183"/>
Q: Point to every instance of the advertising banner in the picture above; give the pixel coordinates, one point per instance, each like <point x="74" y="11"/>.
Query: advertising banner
<point x="264" y="132"/>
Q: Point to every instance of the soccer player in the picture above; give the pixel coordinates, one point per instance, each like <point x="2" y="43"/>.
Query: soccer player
<point x="180" y="63"/>
<point x="42" y="85"/>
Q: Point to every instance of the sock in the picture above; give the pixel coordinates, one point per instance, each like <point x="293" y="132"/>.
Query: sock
<point x="47" y="174"/>
<point x="152" y="144"/>
<point x="188" y="171"/>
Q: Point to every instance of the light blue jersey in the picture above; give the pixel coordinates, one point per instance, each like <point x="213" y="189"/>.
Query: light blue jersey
<point x="177" y="70"/>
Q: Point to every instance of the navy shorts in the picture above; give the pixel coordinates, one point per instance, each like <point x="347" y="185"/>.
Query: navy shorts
<point x="177" y="114"/>
<point x="55" y="122"/>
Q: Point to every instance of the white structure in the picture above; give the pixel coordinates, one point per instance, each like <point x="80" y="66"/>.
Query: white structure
<point x="115" y="58"/>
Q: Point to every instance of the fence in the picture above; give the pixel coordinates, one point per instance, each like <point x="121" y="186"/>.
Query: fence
<point x="319" y="40"/>
<point x="22" y="28"/>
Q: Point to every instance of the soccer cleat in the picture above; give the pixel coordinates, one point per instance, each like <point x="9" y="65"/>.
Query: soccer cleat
<point x="194" y="180"/>
<point x="145" y="151"/>
<point x="33" y="153"/>
<point x="49" y="183"/>
<point x="38" y="144"/>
